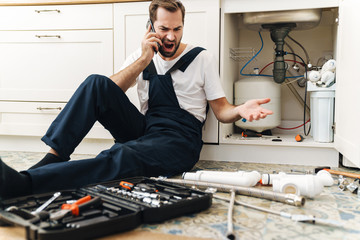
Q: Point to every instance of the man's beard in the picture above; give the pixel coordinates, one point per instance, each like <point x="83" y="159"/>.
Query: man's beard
<point x="172" y="53"/>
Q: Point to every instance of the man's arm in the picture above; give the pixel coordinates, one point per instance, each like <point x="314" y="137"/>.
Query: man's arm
<point x="127" y="77"/>
<point x="250" y="110"/>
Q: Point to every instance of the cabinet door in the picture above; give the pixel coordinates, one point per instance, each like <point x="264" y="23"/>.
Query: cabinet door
<point x="201" y="28"/>
<point x="81" y="16"/>
<point x="347" y="99"/>
<point x="49" y="65"/>
<point x="34" y="118"/>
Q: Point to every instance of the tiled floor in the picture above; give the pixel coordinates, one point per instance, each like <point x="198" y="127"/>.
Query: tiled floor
<point x="331" y="204"/>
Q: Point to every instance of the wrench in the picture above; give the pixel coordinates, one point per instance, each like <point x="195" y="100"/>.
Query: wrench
<point x="47" y="203"/>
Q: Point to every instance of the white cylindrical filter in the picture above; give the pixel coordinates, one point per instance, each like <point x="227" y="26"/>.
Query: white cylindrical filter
<point x="307" y="185"/>
<point x="322" y="115"/>
<point x="240" y="178"/>
<point x="258" y="87"/>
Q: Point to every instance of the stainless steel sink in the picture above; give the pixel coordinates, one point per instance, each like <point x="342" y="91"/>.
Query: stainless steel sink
<point x="304" y="19"/>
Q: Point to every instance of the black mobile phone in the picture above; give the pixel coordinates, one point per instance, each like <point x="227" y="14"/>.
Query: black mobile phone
<point x="152" y="29"/>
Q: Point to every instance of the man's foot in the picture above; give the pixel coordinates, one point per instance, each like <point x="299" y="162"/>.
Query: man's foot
<point x="13" y="183"/>
<point x="49" y="158"/>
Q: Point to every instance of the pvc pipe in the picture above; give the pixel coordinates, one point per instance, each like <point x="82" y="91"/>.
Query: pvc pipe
<point x="308" y="185"/>
<point x="240" y="178"/>
<point x="305" y="185"/>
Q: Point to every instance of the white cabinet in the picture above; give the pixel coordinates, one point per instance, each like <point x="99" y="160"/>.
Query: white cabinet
<point x="49" y="65"/>
<point x="347" y="101"/>
<point x="201" y="28"/>
<point x="50" y="17"/>
<point x="46" y="52"/>
<point x="328" y="38"/>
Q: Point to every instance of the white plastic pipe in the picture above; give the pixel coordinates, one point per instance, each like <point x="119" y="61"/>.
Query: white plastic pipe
<point x="324" y="176"/>
<point x="308" y="186"/>
<point x="305" y="185"/>
<point x="240" y="178"/>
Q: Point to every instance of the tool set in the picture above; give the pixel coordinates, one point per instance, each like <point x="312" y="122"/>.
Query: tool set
<point x="102" y="209"/>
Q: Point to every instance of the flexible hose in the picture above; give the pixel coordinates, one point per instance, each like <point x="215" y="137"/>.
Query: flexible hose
<point x="290" y="199"/>
<point x="230" y="227"/>
<point x="306" y="54"/>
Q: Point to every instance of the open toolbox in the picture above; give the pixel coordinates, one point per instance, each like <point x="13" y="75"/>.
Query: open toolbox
<point x="101" y="209"/>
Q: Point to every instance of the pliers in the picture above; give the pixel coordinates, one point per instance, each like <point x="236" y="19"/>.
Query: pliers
<point x="75" y="208"/>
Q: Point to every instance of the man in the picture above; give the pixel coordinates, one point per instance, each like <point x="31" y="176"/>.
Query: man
<point x="175" y="82"/>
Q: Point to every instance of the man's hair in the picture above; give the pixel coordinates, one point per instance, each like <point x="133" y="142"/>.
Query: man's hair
<point x="169" y="5"/>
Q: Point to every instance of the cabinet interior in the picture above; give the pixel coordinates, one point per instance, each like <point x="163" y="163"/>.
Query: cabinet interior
<point x="319" y="42"/>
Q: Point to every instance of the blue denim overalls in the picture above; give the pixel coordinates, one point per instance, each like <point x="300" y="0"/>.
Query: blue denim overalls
<point x="166" y="141"/>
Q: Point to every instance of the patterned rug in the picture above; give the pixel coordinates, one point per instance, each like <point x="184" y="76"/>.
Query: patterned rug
<point x="332" y="204"/>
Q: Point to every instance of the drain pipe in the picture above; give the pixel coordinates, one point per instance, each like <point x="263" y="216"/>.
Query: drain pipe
<point x="278" y="33"/>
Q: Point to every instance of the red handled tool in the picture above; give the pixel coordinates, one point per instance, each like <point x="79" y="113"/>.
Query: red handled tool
<point x="75" y="208"/>
<point x="126" y="185"/>
<point x="249" y="133"/>
<point x="335" y="172"/>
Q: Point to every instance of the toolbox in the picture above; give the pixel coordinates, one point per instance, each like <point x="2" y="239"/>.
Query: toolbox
<point x="101" y="209"/>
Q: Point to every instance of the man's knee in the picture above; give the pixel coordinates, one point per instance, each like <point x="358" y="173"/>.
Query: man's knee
<point x="96" y="83"/>
<point x="96" y="79"/>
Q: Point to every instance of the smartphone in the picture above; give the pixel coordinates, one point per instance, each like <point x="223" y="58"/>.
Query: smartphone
<point x="153" y="30"/>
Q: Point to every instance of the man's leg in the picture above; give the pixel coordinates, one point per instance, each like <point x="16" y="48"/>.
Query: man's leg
<point x="97" y="99"/>
<point x="12" y="182"/>
<point x="120" y="161"/>
<point x="51" y="157"/>
<point x="162" y="153"/>
<point x="115" y="163"/>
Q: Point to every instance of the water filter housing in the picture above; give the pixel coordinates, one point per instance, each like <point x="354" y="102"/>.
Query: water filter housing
<point x="322" y="101"/>
<point x="257" y="87"/>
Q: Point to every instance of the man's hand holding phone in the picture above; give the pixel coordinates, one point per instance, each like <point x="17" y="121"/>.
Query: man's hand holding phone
<point x="152" y="36"/>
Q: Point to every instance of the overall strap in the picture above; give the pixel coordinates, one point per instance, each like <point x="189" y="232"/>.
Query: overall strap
<point x="185" y="60"/>
<point x="149" y="71"/>
<point x="182" y="64"/>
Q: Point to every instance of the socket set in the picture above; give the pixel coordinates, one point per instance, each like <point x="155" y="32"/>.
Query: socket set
<point x="101" y="209"/>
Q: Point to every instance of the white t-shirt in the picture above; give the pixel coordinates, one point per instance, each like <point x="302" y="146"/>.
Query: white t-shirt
<point x="200" y="82"/>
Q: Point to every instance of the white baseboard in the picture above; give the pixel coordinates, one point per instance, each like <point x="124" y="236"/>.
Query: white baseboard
<point x="311" y="156"/>
<point x="307" y="156"/>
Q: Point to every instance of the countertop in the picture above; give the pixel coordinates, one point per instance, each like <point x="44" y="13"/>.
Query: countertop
<point x="59" y="2"/>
